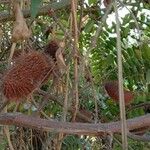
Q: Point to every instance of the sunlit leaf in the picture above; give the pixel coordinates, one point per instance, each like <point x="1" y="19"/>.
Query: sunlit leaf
<point x="92" y="1"/>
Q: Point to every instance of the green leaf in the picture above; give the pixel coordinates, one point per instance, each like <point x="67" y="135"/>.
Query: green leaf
<point x="89" y="26"/>
<point x="126" y="31"/>
<point x="146" y="51"/>
<point x="92" y="1"/>
<point x="126" y="19"/>
<point x="35" y="5"/>
<point x="132" y="25"/>
<point x="142" y="17"/>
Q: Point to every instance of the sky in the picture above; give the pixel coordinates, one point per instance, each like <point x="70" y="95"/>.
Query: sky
<point x="122" y="12"/>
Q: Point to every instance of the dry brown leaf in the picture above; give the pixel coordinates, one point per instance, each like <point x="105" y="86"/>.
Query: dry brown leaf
<point x="20" y="30"/>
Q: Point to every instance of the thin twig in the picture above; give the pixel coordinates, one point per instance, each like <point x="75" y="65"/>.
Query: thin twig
<point x="144" y="138"/>
<point x="7" y="16"/>
<point x="7" y="133"/>
<point x="81" y="15"/>
<point x="94" y="95"/>
<point x="117" y="140"/>
<point x="65" y="110"/>
<point x="12" y="50"/>
<point x="59" y="100"/>
<point x="142" y="105"/>
<point x="133" y="16"/>
<point x="3" y="105"/>
<point x="120" y="77"/>
<point x="100" y="26"/>
<point x="75" y="32"/>
<point x="35" y="104"/>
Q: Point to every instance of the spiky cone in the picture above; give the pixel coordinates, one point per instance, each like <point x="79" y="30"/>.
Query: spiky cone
<point x="113" y="91"/>
<point x="27" y="74"/>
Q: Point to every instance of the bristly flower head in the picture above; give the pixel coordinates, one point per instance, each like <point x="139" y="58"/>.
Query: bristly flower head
<point x="26" y="75"/>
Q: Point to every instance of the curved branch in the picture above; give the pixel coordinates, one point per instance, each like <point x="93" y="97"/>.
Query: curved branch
<point x="7" y="16"/>
<point x="22" y="120"/>
<point x="144" y="138"/>
<point x="140" y="105"/>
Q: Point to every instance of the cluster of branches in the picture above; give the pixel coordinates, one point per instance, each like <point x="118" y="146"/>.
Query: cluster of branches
<point x="89" y="128"/>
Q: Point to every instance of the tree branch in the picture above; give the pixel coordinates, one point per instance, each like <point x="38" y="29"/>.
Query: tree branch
<point x="120" y="78"/>
<point x="22" y="120"/>
<point x="144" y="138"/>
<point x="59" y="100"/>
<point x="7" y="16"/>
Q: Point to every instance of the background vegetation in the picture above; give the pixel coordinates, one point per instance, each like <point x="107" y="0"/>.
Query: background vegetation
<point x="96" y="63"/>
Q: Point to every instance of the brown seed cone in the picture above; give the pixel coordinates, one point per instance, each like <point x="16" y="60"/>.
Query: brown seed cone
<point x="51" y="48"/>
<point x="26" y="75"/>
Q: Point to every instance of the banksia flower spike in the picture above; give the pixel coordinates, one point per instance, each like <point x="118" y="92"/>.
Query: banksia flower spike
<point x="29" y="71"/>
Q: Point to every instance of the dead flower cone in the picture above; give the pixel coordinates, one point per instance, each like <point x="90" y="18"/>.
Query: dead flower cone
<point x="30" y="71"/>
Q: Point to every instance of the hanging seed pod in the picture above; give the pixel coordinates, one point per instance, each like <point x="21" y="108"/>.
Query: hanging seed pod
<point x="20" y="29"/>
<point x="30" y="71"/>
<point x="113" y="91"/>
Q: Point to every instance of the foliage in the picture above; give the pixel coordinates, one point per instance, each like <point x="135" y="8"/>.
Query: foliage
<point x="97" y="63"/>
